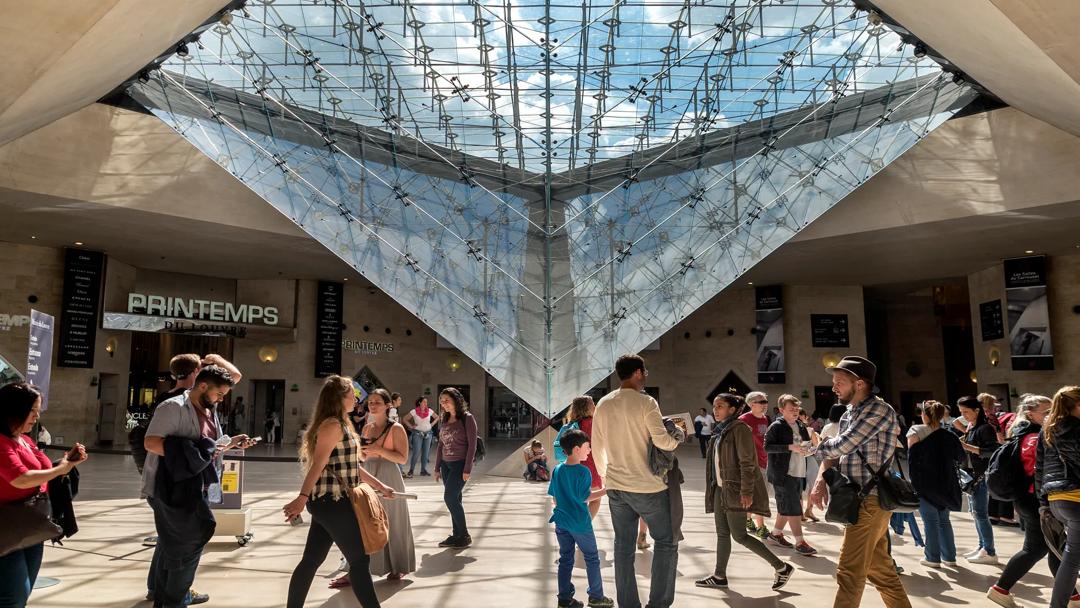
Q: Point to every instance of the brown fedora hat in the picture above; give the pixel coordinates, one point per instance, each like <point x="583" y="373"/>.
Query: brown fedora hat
<point x="860" y="367"/>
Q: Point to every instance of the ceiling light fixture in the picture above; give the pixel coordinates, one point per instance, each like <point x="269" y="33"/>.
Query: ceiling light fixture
<point x="78" y="243"/>
<point x="1029" y="251"/>
<point x="34" y="237"/>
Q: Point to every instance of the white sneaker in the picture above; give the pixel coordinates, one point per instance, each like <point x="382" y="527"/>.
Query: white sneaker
<point x="1001" y="599"/>
<point x="930" y="564"/>
<point x="983" y="558"/>
<point x="949" y="564"/>
<point x="972" y="554"/>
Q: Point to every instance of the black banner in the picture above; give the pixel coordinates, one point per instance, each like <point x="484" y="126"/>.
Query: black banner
<point x="1029" y="315"/>
<point x="769" y="330"/>
<point x="80" y="307"/>
<point x="829" y="331"/>
<point x="993" y="320"/>
<point x="328" y="317"/>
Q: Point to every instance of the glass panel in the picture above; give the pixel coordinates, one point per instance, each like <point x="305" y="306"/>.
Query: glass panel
<point x="549" y="186"/>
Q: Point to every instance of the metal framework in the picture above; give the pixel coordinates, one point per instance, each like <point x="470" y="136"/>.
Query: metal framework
<point x="550" y="185"/>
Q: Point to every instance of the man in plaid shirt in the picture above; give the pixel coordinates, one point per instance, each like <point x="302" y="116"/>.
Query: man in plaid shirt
<point x="869" y="427"/>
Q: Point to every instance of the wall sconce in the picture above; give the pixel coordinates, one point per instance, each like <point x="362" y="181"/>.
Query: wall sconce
<point x="453" y="363"/>
<point x="830" y="359"/>
<point x="110" y="346"/>
<point x="994" y="356"/>
<point x="268" y="354"/>
<point x="973" y="377"/>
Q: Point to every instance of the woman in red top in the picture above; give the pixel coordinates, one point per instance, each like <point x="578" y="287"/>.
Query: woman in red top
<point x="581" y="411"/>
<point x="24" y="472"/>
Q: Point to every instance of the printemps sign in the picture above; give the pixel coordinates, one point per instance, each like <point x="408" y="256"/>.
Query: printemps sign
<point x="207" y="310"/>
<point x="363" y="347"/>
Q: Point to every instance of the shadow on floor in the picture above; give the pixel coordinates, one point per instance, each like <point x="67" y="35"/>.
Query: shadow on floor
<point x="443" y="562"/>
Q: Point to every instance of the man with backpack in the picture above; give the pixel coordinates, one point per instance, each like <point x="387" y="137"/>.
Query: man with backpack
<point x="1010" y="476"/>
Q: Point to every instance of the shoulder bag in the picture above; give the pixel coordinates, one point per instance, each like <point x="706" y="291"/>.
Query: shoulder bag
<point x="895" y="492"/>
<point x="27" y="523"/>
<point x="370" y="515"/>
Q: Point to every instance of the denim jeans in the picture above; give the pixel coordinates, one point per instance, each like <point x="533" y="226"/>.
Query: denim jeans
<point x="980" y="500"/>
<point x="897" y="522"/>
<point x="940" y="543"/>
<point x="173" y="572"/>
<point x="626" y="509"/>
<point x="419" y="448"/>
<point x="333" y="522"/>
<point x="453" y="484"/>
<point x="18" y="571"/>
<point x="1067" y="512"/>
<point x="587" y="543"/>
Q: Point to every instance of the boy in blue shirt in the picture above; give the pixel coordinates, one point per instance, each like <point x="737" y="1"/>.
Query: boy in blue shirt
<point x="570" y="487"/>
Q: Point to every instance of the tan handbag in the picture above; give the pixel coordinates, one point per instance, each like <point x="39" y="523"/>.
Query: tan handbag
<point x="370" y="515"/>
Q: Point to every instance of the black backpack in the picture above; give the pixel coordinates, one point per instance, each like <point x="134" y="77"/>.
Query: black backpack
<point x="1005" y="476"/>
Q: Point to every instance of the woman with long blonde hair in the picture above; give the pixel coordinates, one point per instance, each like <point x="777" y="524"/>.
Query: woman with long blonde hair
<point x="1059" y="461"/>
<point x="581" y="411"/>
<point x="330" y="454"/>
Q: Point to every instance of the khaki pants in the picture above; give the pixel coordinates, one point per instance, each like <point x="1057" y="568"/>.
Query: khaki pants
<point x="864" y="557"/>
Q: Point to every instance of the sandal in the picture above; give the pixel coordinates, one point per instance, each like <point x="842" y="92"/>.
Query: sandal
<point x="341" y="582"/>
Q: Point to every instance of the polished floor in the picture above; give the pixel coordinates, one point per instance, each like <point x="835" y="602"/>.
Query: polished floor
<point x="511" y="564"/>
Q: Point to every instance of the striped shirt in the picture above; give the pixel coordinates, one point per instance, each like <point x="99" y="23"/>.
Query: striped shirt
<point x="345" y="461"/>
<point x="872" y="428"/>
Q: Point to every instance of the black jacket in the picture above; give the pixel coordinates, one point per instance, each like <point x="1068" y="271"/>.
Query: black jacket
<point x="1057" y="465"/>
<point x="181" y="511"/>
<point x="985" y="437"/>
<point x="62" y="490"/>
<point x="777" y="439"/>
<point x="933" y="463"/>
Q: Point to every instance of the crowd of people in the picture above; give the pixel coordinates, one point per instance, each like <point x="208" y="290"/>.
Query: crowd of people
<point x="1021" y="466"/>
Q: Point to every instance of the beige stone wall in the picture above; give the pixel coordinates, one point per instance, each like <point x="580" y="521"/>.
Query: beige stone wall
<point x="686" y="370"/>
<point x="914" y="337"/>
<point x="1064" y="293"/>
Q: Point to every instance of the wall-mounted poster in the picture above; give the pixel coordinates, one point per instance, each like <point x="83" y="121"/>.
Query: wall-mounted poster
<point x="1029" y="315"/>
<point x="80" y="307"/>
<point x="992" y="320"/>
<point x="769" y="329"/>
<point x="829" y="331"/>
<point x="329" y="312"/>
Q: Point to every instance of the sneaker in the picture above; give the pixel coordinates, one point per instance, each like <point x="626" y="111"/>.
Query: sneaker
<point x="972" y="554"/>
<point x="194" y="597"/>
<point x="460" y="542"/>
<point x="149" y="541"/>
<point x="750" y="527"/>
<point x="425" y="474"/>
<point x="783" y="575"/>
<point x="642" y="542"/>
<point x="899" y="568"/>
<point x="804" y="548"/>
<point x="712" y="582"/>
<point x="983" y="558"/>
<point x="948" y="563"/>
<point x="408" y="475"/>
<point x="763" y="533"/>
<point x="1001" y="597"/>
<point x="930" y="564"/>
<point x="601" y="602"/>
<point x="571" y="603"/>
<point x="449" y="542"/>
<point x="779" y="540"/>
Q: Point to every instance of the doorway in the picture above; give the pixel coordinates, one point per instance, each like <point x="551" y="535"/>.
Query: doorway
<point x="268" y="415"/>
<point x="824" y="399"/>
<point x="108" y="391"/>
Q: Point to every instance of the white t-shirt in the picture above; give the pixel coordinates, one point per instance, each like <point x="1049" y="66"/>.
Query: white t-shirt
<point x="391" y="414"/>
<point x="707" y="423"/>
<point x="421" y="424"/>
<point x="830" y="431"/>
<point x="797" y="464"/>
<point x="920" y="430"/>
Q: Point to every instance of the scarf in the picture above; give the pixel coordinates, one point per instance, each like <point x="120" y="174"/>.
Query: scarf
<point x="423" y="412"/>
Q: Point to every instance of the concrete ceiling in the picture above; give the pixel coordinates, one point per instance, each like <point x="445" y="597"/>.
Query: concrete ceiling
<point x="63" y="55"/>
<point x="978" y="189"/>
<point x="1024" y="51"/>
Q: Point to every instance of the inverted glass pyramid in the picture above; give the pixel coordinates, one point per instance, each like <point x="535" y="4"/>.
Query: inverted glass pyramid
<point x="551" y="185"/>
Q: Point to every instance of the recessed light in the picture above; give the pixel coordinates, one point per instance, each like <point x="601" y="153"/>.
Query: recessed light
<point x="345" y="279"/>
<point x="34" y="237"/>
<point x="78" y="243"/>
<point x="1030" y="251"/>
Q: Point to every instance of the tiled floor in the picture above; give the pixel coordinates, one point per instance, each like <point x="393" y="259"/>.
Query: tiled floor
<point x="511" y="564"/>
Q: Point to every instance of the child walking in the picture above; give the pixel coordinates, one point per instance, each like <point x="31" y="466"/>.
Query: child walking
<point x="570" y="488"/>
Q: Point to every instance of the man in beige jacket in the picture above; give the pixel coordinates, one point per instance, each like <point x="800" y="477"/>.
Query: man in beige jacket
<point x="623" y="425"/>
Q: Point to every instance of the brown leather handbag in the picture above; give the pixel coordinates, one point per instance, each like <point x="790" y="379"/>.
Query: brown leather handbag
<point x="370" y="515"/>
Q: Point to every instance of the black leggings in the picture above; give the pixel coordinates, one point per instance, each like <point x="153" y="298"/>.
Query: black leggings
<point x="333" y="522"/>
<point x="1034" y="548"/>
